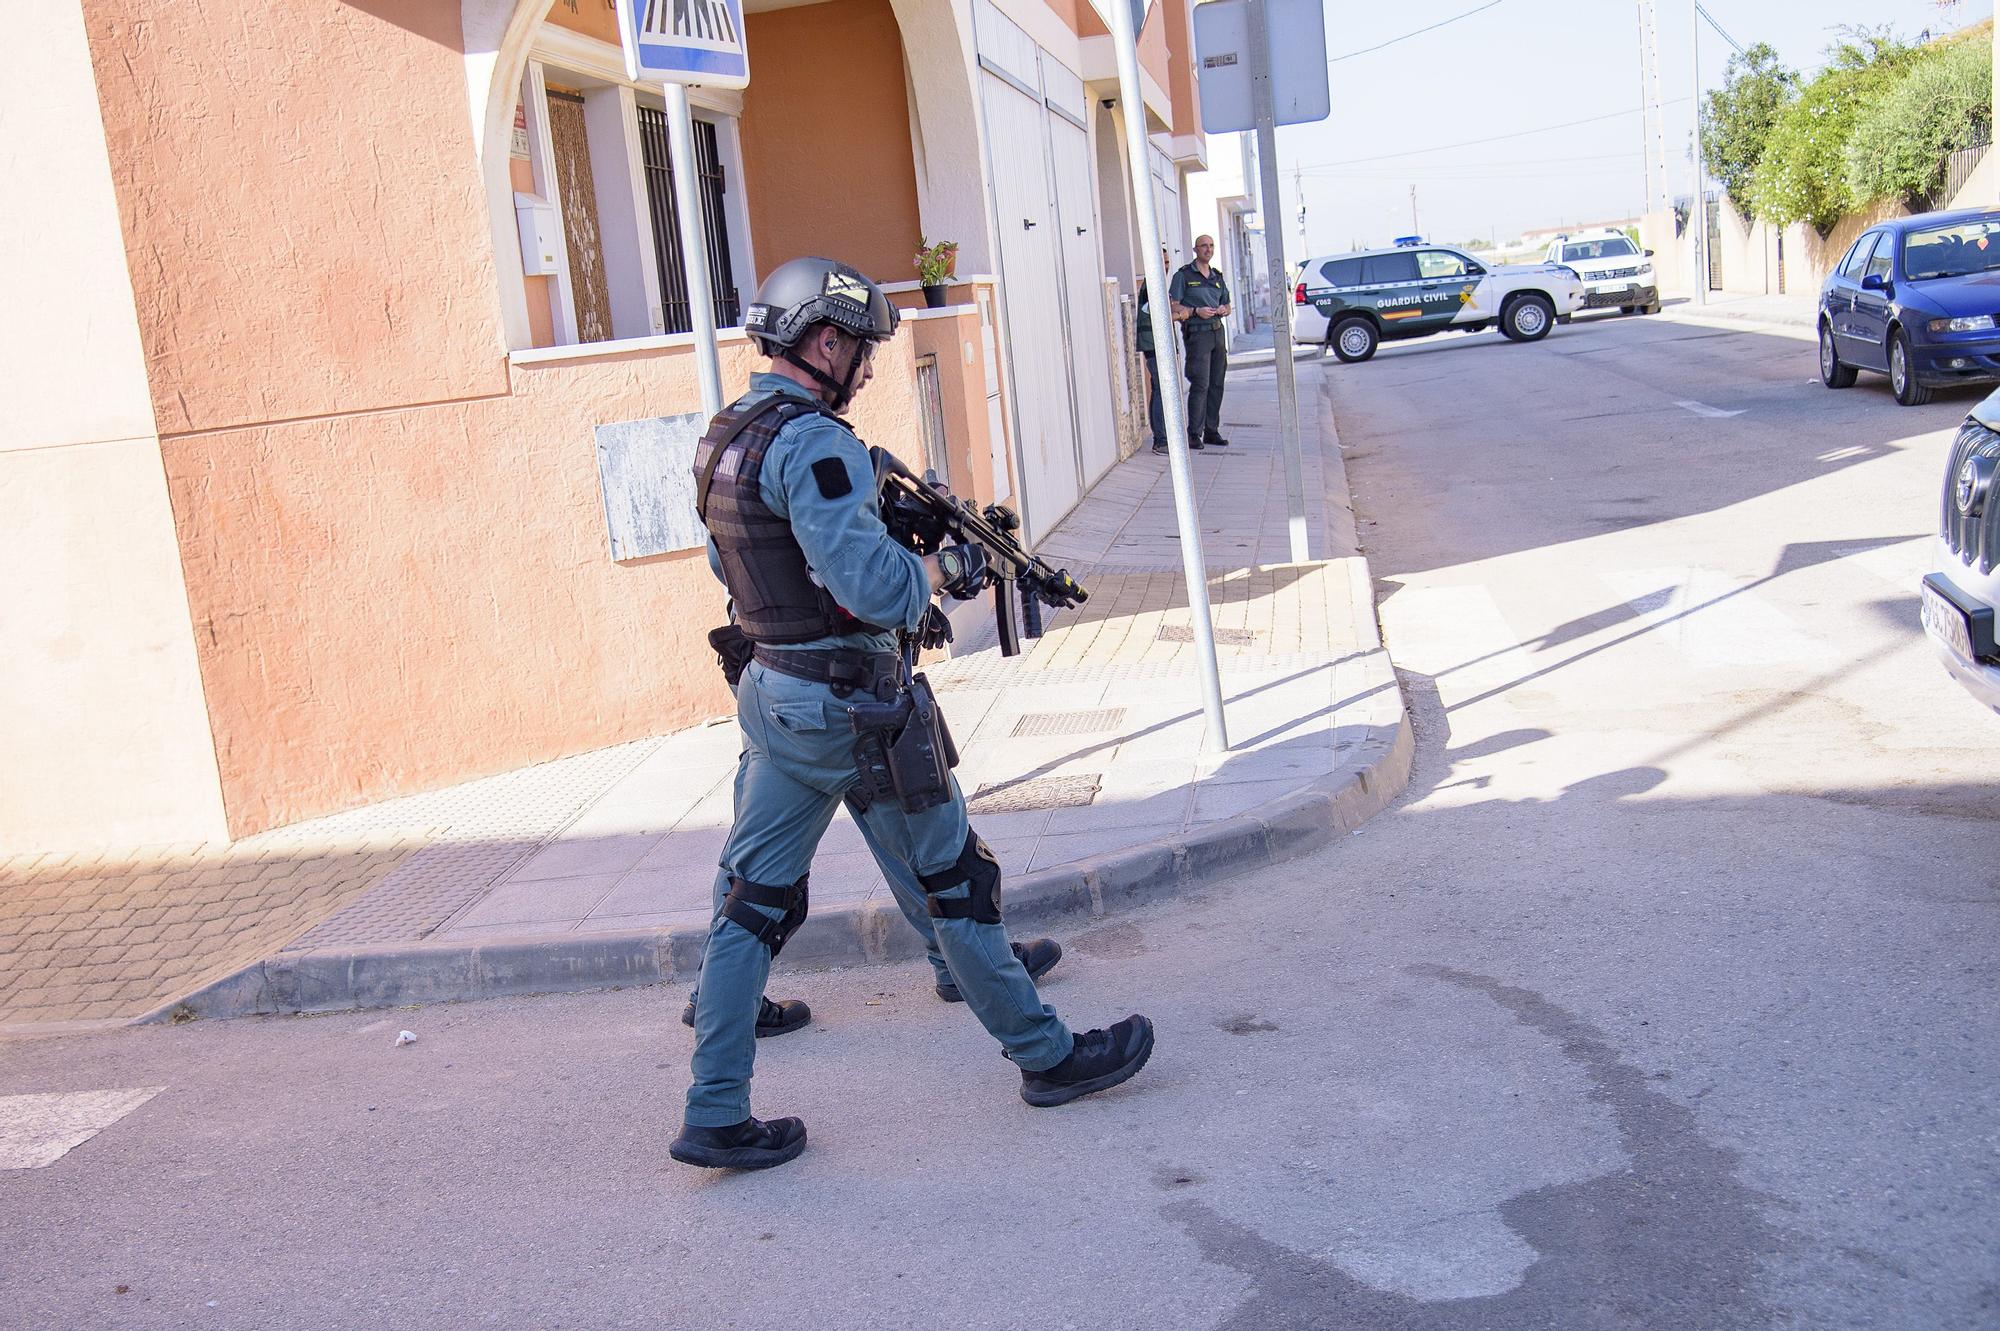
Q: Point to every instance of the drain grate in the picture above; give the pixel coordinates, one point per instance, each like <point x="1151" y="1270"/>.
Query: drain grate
<point x="1227" y="637"/>
<point x="1044" y="792"/>
<point x="1068" y="723"/>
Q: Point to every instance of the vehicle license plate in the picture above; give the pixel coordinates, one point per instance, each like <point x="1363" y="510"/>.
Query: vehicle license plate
<point x="1948" y="624"/>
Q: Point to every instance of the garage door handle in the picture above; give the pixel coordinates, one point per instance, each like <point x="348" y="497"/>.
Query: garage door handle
<point x="1026" y="225"/>
<point x="1080" y="231"/>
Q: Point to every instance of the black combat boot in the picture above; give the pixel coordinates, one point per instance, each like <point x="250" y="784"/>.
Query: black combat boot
<point x="1215" y="441"/>
<point x="1100" y="1060"/>
<point x="787" y="1014"/>
<point x="751" y="1144"/>
<point x="1037" y="954"/>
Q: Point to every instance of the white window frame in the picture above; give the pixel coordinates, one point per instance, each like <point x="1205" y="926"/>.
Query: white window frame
<point x="624" y="212"/>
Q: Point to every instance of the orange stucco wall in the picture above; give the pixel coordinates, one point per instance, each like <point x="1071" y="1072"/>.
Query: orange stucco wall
<point x="592" y="18"/>
<point x="954" y="340"/>
<point x="829" y="164"/>
<point x="1154" y="57"/>
<point x="394" y="549"/>
<point x="450" y="608"/>
<point x="1176" y="27"/>
<point x="303" y="223"/>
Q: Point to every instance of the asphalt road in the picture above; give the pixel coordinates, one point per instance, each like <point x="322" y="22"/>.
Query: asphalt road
<point x="1664" y="999"/>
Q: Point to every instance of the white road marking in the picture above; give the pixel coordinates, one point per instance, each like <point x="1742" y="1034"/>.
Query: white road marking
<point x="1703" y="409"/>
<point x="38" y="1130"/>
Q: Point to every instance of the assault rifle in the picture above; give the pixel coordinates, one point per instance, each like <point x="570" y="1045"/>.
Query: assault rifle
<point x="922" y="514"/>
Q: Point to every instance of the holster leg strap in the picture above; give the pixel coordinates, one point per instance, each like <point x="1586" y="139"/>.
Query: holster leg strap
<point x="975" y="865"/>
<point x="743" y="894"/>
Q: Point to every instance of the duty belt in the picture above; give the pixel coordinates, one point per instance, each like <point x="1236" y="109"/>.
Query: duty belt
<point x="844" y="670"/>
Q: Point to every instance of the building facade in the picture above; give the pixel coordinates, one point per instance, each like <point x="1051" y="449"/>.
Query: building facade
<point x="342" y="305"/>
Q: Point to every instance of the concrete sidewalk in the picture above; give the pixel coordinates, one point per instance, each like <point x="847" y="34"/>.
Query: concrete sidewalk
<point x="1082" y="760"/>
<point x="1799" y="309"/>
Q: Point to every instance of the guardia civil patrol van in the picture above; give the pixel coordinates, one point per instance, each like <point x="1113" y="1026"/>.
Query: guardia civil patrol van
<point x="1363" y="299"/>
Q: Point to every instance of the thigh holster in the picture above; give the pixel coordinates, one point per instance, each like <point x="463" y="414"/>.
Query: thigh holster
<point x="743" y="894"/>
<point x="975" y="865"/>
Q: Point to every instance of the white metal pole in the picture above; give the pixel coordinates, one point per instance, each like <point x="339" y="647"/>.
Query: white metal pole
<point x="694" y="245"/>
<point x="1699" y="213"/>
<point x="1131" y="101"/>
<point x="1269" y="203"/>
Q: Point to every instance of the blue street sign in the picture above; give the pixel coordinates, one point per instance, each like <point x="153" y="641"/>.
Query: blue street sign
<point x="685" y="41"/>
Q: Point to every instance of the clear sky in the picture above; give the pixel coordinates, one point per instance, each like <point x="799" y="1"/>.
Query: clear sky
<point x="1523" y="65"/>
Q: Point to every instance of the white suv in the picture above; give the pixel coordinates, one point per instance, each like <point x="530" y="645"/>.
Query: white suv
<point x="1616" y="273"/>
<point x="1961" y="599"/>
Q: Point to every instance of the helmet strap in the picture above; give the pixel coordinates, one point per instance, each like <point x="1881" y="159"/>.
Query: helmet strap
<point x="839" y="391"/>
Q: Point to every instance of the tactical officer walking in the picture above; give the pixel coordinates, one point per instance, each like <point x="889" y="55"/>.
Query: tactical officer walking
<point x="1201" y="303"/>
<point x="825" y="597"/>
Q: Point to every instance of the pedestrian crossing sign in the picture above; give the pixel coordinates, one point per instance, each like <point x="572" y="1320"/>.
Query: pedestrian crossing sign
<point x="685" y="41"/>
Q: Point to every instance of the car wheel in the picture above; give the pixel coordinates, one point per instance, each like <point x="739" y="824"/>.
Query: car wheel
<point x="1831" y="372"/>
<point x="1903" y="375"/>
<point x="1528" y="318"/>
<point x="1354" y="340"/>
<point x="1628" y="309"/>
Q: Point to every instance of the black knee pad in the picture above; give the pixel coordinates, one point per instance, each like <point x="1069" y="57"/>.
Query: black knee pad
<point x="975" y="865"/>
<point x="743" y="894"/>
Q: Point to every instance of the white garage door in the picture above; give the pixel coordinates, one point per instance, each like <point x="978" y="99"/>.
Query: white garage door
<point x="1090" y="357"/>
<point x="1052" y="278"/>
<point x="1032" y="288"/>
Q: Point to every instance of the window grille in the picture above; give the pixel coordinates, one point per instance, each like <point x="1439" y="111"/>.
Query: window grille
<point x="658" y="160"/>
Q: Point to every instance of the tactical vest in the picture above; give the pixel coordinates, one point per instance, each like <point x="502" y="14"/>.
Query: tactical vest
<point x="776" y="599"/>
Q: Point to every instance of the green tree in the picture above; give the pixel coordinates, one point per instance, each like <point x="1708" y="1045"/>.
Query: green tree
<point x="1802" y="175"/>
<point x="1940" y="102"/>
<point x="1736" y="118"/>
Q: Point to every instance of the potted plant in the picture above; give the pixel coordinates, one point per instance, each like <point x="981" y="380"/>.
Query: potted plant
<point x="935" y="267"/>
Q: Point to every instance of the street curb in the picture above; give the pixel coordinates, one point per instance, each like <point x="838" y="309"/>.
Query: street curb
<point x="335" y="980"/>
<point x="1376" y="770"/>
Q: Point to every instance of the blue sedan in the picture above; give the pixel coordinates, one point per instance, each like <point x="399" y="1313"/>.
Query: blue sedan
<point x="1916" y="299"/>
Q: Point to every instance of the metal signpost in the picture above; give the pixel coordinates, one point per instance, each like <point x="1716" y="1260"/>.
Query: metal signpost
<point x="677" y="43"/>
<point x="1125" y="20"/>
<point x="1263" y="64"/>
<point x="1698" y="215"/>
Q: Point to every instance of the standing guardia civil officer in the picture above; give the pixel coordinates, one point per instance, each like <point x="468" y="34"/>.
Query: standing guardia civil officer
<point x="826" y="597"/>
<point x="1201" y="304"/>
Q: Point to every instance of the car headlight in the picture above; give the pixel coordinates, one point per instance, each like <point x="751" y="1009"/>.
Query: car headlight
<point x="1972" y="323"/>
<point x="1645" y="270"/>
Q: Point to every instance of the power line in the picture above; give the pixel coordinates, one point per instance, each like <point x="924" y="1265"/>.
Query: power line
<point x="1496" y="138"/>
<point x="1699" y="9"/>
<point x="1441" y="23"/>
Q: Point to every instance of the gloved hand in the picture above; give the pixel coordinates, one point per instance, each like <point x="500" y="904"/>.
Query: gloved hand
<point x="935" y="631"/>
<point x="966" y="570"/>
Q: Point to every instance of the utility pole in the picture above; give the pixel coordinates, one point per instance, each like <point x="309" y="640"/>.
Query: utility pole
<point x="1194" y="568"/>
<point x="1263" y="101"/>
<point x="1415" y="229"/>
<point x="1698" y="214"/>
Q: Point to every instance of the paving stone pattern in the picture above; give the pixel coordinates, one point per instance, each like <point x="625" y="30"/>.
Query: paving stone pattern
<point x="100" y="936"/>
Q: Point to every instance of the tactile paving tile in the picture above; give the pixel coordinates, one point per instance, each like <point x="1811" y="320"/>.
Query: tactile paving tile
<point x="482" y="830"/>
<point x="1069" y="723"/>
<point x="1043" y="792"/>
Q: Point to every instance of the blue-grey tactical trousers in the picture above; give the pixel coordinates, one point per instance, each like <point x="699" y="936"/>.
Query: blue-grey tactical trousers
<point x="797" y="765"/>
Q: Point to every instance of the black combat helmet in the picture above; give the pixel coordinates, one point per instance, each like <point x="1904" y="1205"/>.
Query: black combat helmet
<point x="804" y="293"/>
